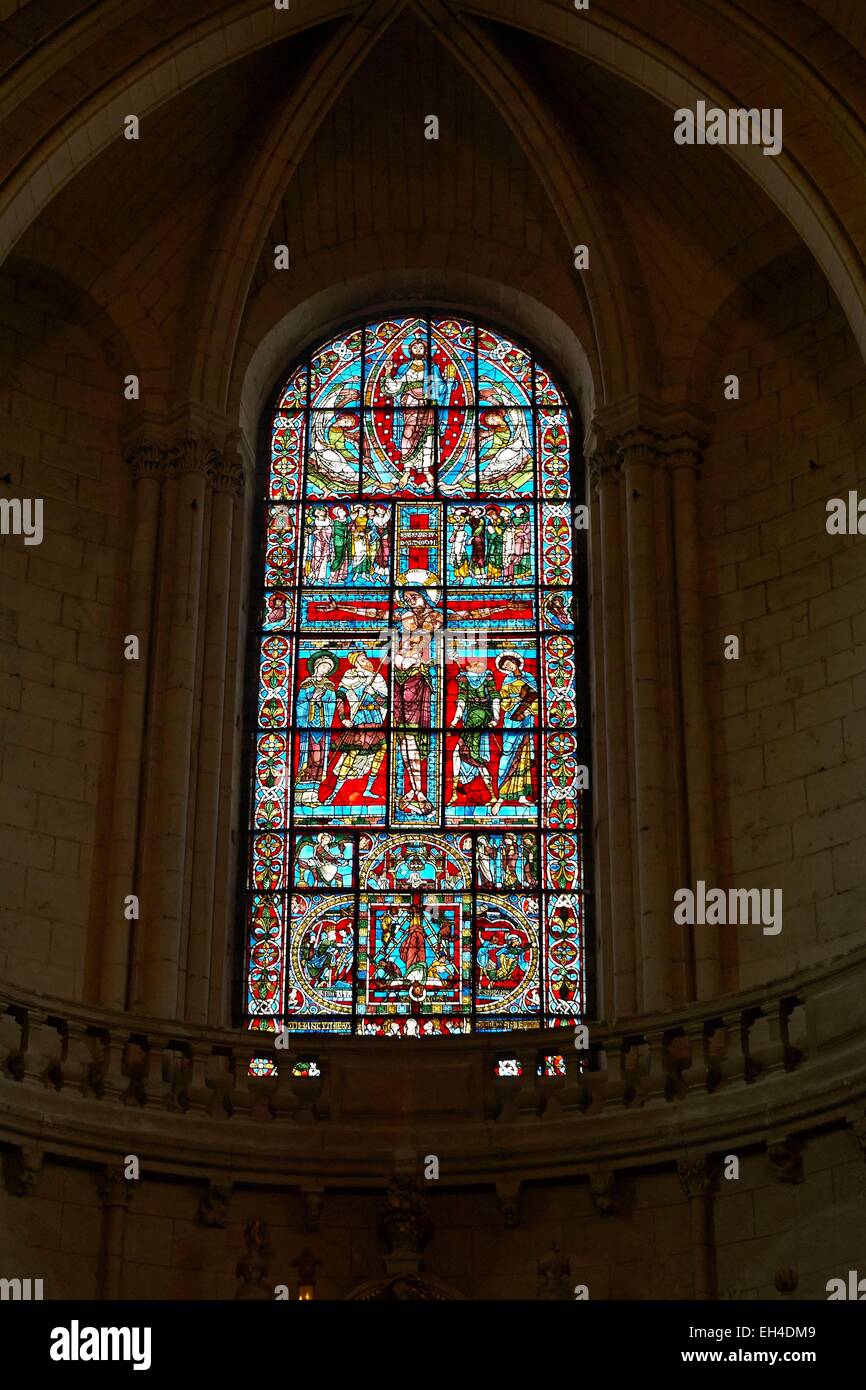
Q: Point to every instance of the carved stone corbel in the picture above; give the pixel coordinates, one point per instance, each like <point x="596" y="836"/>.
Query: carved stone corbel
<point x="22" y="1169"/>
<point x="786" y="1161"/>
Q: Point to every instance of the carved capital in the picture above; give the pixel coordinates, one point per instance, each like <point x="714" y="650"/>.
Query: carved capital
<point x="227" y="475"/>
<point x="696" y="1177"/>
<point x="684" y="450"/>
<point x="193" y="454"/>
<point x="148" y="459"/>
<point x="638" y="447"/>
<point x="113" y="1186"/>
<point x="604" y="468"/>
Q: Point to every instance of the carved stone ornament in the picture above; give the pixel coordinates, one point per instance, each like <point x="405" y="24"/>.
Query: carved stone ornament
<point x="404" y="1222"/>
<point x="786" y="1161"/>
<point x="601" y="1186"/>
<point x="22" y="1171"/>
<point x="113" y="1186"/>
<point x="149" y="459"/>
<point x="192" y="454"/>
<point x="684" y="450"/>
<point x="696" y="1177"/>
<point x="252" y="1268"/>
<point x="604" y="467"/>
<point x="213" y="1209"/>
<point x="313" y="1199"/>
<point x="508" y="1196"/>
<point x="227" y="475"/>
<point x="554" y="1270"/>
<point x="404" y="1288"/>
<point x="638" y="446"/>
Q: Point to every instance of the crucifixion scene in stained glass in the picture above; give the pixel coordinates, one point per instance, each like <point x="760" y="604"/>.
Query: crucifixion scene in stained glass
<point x="416" y="853"/>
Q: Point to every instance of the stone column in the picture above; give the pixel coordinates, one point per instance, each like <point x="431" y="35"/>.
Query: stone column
<point x="114" y="1196"/>
<point x="148" y="463"/>
<point x="606" y="476"/>
<point x="229" y="826"/>
<point x="638" y="452"/>
<point x="228" y="485"/>
<point x="696" y="1180"/>
<point x="684" y="460"/>
<point x="162" y="907"/>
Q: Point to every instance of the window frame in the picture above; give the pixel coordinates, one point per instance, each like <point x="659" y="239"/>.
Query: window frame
<point x="250" y="682"/>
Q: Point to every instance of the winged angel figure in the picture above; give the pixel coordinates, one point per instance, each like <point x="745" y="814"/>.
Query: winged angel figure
<point x="505" y="448"/>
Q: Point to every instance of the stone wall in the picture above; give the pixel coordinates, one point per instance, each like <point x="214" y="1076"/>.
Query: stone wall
<point x="642" y="1248"/>
<point x="62" y="623"/>
<point x="789" y="717"/>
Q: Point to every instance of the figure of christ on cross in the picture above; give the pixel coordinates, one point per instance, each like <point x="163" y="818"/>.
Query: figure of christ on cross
<point x="413" y="697"/>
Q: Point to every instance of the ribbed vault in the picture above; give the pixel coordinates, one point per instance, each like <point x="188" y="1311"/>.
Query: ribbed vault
<point x="585" y="98"/>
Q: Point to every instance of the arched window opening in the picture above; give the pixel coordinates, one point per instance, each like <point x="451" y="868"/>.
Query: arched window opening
<point x="417" y="850"/>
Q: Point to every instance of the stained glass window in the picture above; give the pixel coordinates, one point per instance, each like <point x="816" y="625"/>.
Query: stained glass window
<point x="416" y="857"/>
